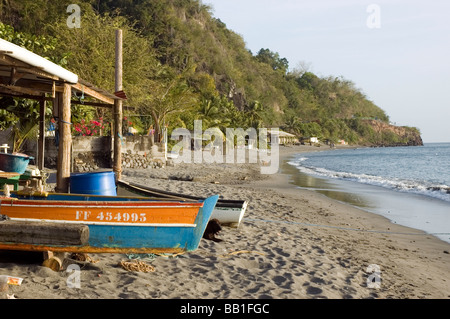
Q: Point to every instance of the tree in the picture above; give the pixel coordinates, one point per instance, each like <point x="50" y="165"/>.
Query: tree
<point x="292" y="124"/>
<point x="273" y="59"/>
<point x="209" y="113"/>
<point x="308" y="81"/>
<point x="168" y="97"/>
<point x="253" y="115"/>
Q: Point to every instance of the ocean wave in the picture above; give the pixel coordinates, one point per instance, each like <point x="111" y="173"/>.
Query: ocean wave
<point x="409" y="186"/>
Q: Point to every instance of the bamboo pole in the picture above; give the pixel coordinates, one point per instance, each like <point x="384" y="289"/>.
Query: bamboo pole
<point x="118" y="113"/>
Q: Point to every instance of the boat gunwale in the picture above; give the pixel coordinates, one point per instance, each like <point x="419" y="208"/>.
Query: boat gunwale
<point x="167" y="195"/>
<point x="89" y="204"/>
<point x="94" y="223"/>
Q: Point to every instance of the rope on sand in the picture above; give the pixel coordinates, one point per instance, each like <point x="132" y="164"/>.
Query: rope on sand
<point x="136" y="265"/>
<point x="83" y="257"/>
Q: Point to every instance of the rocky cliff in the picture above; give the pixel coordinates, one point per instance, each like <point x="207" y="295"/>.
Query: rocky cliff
<point x="391" y="135"/>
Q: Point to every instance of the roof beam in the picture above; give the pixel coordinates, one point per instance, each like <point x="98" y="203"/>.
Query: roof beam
<point x="17" y="89"/>
<point x="92" y="93"/>
<point x="26" y="67"/>
<point x="6" y="92"/>
<point x="88" y="103"/>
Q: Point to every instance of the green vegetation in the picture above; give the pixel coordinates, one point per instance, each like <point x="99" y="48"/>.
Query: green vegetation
<point x="182" y="64"/>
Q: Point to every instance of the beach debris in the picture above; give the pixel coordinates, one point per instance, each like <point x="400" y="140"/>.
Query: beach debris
<point x="136" y="265"/>
<point x="11" y="296"/>
<point x="6" y="280"/>
<point x="53" y="260"/>
<point x="15" y="281"/>
<point x="82" y="257"/>
<point x="54" y="263"/>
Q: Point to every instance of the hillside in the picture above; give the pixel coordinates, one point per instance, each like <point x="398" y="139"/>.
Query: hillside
<point x="181" y="64"/>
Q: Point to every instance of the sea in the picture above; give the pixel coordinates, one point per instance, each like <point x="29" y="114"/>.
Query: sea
<point x="408" y="185"/>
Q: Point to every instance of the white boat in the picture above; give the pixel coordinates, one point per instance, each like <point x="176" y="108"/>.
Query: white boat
<point x="228" y="212"/>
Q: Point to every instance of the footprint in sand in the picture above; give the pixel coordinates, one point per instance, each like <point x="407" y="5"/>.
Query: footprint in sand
<point x="281" y="252"/>
<point x="311" y="290"/>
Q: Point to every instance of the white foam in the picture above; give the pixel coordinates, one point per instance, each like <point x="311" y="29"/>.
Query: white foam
<point x="410" y="186"/>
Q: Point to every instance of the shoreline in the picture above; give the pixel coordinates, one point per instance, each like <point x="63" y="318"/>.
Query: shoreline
<point x="292" y="244"/>
<point x="395" y="207"/>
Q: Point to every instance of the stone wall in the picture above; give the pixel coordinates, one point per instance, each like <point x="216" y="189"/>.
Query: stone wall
<point x="90" y="153"/>
<point x="137" y="152"/>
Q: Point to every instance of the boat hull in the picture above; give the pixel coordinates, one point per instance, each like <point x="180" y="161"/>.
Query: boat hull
<point x="228" y="212"/>
<point x="116" y="224"/>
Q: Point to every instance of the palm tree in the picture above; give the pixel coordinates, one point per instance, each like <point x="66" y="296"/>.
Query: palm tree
<point x="209" y="113"/>
<point x="253" y="114"/>
<point x="292" y="124"/>
<point x="21" y="132"/>
<point x="26" y="116"/>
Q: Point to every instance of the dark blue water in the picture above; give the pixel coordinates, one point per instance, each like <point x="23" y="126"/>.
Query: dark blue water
<point x="409" y="185"/>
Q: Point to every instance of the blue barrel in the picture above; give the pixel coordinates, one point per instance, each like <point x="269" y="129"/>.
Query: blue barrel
<point x="97" y="183"/>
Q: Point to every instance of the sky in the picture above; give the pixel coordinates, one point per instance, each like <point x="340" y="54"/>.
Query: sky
<point x="397" y="52"/>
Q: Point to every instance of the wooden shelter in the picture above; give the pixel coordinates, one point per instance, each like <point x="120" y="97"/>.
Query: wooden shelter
<point x="28" y="75"/>
<point x="284" y="138"/>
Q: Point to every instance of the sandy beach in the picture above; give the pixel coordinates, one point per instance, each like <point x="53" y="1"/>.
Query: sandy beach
<point x="292" y="244"/>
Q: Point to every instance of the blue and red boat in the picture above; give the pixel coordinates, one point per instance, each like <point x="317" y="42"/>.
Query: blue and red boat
<point x="106" y="224"/>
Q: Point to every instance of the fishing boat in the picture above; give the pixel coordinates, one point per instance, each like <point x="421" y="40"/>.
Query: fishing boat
<point x="101" y="224"/>
<point x="228" y="212"/>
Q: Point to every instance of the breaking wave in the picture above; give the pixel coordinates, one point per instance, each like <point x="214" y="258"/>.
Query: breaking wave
<point x="409" y="186"/>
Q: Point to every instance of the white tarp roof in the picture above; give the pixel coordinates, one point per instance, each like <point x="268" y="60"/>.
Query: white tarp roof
<point x="14" y="51"/>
